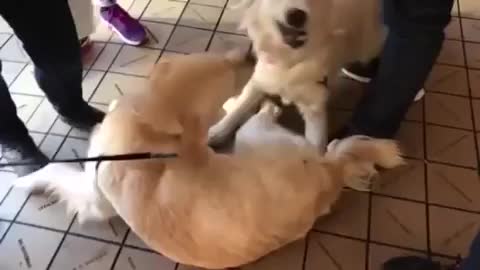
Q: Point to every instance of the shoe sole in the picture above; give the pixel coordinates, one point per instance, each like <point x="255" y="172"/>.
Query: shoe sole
<point x="123" y="38"/>
<point x="361" y="79"/>
<point x="355" y="77"/>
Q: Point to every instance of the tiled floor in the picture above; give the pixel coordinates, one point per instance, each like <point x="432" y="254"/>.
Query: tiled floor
<point x="431" y="205"/>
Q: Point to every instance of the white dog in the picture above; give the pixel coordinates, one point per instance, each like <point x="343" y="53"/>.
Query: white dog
<point x="299" y="44"/>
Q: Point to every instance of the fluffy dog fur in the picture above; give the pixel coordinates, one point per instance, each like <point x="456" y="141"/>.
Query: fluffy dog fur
<point x="337" y="32"/>
<point x="206" y="209"/>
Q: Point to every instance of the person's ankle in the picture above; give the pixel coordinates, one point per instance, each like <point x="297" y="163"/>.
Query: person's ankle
<point x="82" y="116"/>
<point x="23" y="150"/>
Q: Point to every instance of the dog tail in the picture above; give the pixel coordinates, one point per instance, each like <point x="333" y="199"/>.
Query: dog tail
<point x="358" y="157"/>
<point x="66" y="183"/>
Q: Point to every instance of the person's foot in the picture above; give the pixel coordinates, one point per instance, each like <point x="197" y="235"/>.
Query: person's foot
<point x="23" y="151"/>
<point x="416" y="263"/>
<point x="128" y="28"/>
<point x="85" y="45"/>
<point x="364" y="73"/>
<point x="83" y="117"/>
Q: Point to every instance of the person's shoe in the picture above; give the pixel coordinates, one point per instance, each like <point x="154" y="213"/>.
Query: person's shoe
<point x="364" y="73"/>
<point x="23" y="151"/>
<point x="83" y="117"/>
<point x="416" y="263"/>
<point x="85" y="45"/>
<point x="361" y="72"/>
<point x="129" y="29"/>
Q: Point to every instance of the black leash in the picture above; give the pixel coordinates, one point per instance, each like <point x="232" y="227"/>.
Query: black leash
<point x="124" y="157"/>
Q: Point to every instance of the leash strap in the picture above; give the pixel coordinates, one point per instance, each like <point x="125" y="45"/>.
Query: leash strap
<point x="123" y="157"/>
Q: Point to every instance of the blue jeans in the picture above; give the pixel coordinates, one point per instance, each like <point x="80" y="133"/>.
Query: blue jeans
<point x="416" y="33"/>
<point x="472" y="262"/>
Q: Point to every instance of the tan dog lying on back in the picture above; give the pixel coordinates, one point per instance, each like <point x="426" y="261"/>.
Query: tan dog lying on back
<point x="206" y="209"/>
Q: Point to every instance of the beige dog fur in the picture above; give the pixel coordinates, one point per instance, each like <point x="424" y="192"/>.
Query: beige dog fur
<point x="206" y="209"/>
<point x="337" y="32"/>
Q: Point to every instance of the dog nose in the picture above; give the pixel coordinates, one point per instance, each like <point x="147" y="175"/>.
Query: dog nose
<point x="296" y="17"/>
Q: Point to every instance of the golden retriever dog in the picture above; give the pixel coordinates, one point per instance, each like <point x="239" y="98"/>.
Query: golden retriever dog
<point x="299" y="44"/>
<point x="203" y="208"/>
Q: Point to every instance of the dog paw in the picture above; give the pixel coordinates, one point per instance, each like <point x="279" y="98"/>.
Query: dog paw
<point x="217" y="137"/>
<point x="31" y="184"/>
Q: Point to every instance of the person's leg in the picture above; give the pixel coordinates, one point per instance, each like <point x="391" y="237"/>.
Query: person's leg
<point x="82" y="12"/>
<point x="16" y="143"/>
<point x="471" y="262"/>
<point x="128" y="28"/>
<point x="416" y="34"/>
<point x="48" y="34"/>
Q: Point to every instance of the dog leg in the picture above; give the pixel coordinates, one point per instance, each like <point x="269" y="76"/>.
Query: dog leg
<point x="244" y="107"/>
<point x="316" y="129"/>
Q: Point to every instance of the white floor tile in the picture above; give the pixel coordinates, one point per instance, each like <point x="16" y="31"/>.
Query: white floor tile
<point x="26" y="247"/>
<point x="216" y="3"/>
<point x="6" y="180"/>
<point x="91" y="56"/>
<point x="26" y="83"/>
<point x="134" y="241"/>
<point x="106" y="57"/>
<point x="136" y="61"/>
<point x="158" y="34"/>
<point x="51" y="144"/>
<point x="47" y="212"/>
<point x="43" y="118"/>
<point x="73" y="148"/>
<point x="224" y="42"/>
<point x="164" y="11"/>
<point x="137" y="8"/>
<point x="113" y="230"/>
<point x="10" y="70"/>
<point x="189" y="40"/>
<point x="26" y="105"/>
<point x="10" y="205"/>
<point x="115" y="85"/>
<point x="198" y="16"/>
<point x="13" y="51"/>
<point x="138" y="259"/>
<point x="3" y="227"/>
<point x="85" y="254"/>
<point x="230" y="20"/>
<point x="4" y="27"/>
<point x="91" y="82"/>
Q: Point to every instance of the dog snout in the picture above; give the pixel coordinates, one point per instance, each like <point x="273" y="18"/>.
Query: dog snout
<point x="296" y="18"/>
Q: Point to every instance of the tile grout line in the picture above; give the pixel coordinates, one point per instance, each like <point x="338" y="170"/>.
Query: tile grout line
<point x="384" y="244"/>
<point x="425" y="174"/>
<point x="60" y="244"/>
<point x="119" y="252"/>
<point x="469" y="85"/>
<point x="175" y="25"/>
<point x="305" y="250"/>
<point x="369" y="228"/>
<point x="214" y="30"/>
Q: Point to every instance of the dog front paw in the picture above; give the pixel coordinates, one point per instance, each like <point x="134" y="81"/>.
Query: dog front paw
<point x="31" y="184"/>
<point x="218" y="136"/>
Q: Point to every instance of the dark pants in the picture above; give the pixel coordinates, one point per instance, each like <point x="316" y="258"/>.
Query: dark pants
<point x="47" y="30"/>
<point x="416" y="34"/>
<point x="472" y="262"/>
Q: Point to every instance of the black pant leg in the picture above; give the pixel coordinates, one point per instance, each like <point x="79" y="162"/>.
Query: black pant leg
<point x="416" y="34"/>
<point x="48" y="34"/>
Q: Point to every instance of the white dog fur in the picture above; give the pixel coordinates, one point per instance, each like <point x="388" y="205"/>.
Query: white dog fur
<point x="337" y="32"/>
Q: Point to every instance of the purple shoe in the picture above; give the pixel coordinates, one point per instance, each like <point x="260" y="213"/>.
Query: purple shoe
<point x="129" y="29"/>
